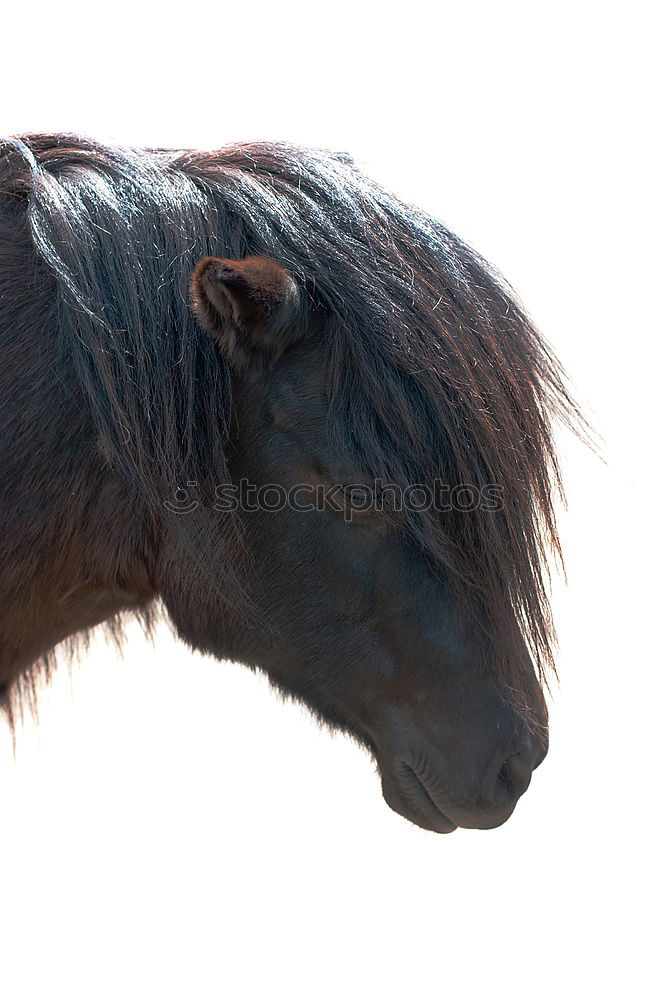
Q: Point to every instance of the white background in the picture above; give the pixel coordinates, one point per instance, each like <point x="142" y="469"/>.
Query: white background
<point x="172" y="829"/>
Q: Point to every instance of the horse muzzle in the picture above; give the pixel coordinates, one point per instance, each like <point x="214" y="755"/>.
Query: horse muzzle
<point x="438" y="795"/>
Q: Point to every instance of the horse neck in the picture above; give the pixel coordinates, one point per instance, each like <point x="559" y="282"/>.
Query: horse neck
<point x="69" y="561"/>
<point x="58" y="578"/>
<point x="74" y="548"/>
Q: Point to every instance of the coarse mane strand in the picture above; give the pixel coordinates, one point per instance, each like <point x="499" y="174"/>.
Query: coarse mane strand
<point x="438" y="371"/>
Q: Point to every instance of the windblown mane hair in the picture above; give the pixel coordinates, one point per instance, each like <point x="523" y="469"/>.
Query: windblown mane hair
<point x="440" y="373"/>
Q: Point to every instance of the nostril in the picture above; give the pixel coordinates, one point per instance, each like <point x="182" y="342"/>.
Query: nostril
<point x="513" y="778"/>
<point x="504" y="778"/>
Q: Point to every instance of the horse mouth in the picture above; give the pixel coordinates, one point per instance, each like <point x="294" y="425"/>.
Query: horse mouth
<point x="408" y="795"/>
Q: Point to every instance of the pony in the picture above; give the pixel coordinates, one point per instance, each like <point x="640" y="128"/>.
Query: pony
<point x="253" y="388"/>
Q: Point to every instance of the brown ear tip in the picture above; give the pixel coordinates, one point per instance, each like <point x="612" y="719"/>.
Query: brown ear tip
<point x="212" y="268"/>
<point x="203" y="264"/>
<point x="270" y="276"/>
<point x="255" y="272"/>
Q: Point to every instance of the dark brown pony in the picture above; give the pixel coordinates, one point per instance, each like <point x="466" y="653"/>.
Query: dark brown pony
<point x="252" y="385"/>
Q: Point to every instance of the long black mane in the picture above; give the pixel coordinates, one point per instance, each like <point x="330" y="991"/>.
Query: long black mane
<point x="440" y="373"/>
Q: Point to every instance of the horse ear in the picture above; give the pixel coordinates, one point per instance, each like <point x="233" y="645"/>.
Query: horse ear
<point x="250" y="305"/>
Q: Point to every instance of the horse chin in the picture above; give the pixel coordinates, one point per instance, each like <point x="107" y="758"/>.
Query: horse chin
<point x="409" y="798"/>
